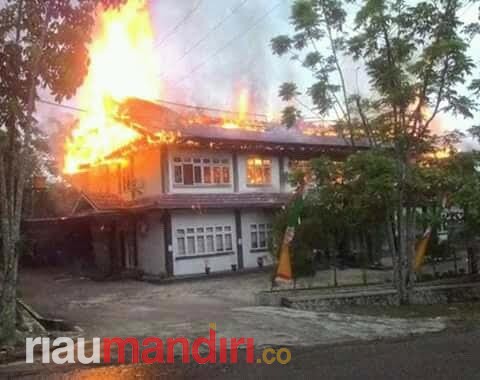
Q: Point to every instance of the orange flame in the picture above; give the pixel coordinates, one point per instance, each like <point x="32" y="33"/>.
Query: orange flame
<point x="122" y="64"/>
<point x="243" y="102"/>
<point x="242" y="112"/>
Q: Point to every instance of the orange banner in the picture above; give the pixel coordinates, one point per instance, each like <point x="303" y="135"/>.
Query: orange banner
<point x="284" y="268"/>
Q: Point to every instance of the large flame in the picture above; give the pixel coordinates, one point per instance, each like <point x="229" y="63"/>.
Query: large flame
<point x="122" y="65"/>
<point x="242" y="109"/>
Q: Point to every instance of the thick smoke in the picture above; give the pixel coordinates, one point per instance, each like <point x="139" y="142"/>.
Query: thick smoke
<point x="247" y="62"/>
<point x="202" y="79"/>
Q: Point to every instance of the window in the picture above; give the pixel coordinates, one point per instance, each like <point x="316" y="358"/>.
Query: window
<point x="201" y="171"/>
<point x="260" y="235"/>
<point x="259" y="171"/>
<point x="204" y="240"/>
<point x="181" y="242"/>
<point x="207" y="175"/>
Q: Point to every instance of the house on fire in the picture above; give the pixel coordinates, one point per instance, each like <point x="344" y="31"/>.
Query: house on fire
<point x="189" y="196"/>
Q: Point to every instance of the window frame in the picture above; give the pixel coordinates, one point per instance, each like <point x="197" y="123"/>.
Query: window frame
<point x="208" y="235"/>
<point x="262" y="167"/>
<point x="207" y="171"/>
<point x="255" y="230"/>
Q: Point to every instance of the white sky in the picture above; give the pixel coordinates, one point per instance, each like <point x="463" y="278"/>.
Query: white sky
<point x="247" y="62"/>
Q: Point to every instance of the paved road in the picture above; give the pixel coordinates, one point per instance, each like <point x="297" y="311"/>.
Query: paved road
<point x="449" y="355"/>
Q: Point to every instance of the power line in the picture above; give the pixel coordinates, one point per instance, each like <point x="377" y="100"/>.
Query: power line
<point x="472" y="3"/>
<point x="207" y="108"/>
<point x="179" y="24"/>
<point x="211" y="30"/>
<point x="307" y="108"/>
<point x="168" y="102"/>
<point x="226" y="45"/>
<point x="71" y="108"/>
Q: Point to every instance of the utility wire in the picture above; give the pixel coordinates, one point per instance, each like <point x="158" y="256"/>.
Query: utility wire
<point x="168" y="102"/>
<point x="226" y="45"/>
<point x="210" y="31"/>
<point x="467" y="8"/>
<point x="179" y="24"/>
<point x="71" y="108"/>
<point x="311" y="110"/>
<point x="208" y="108"/>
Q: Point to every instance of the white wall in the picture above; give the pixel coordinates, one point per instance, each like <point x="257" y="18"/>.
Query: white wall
<point x="187" y="219"/>
<point x="242" y="176"/>
<point x="148" y="170"/>
<point x="151" y="244"/>
<point x="198" y="189"/>
<point x="250" y="256"/>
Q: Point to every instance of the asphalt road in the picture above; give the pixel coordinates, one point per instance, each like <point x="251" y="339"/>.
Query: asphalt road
<point x="448" y="355"/>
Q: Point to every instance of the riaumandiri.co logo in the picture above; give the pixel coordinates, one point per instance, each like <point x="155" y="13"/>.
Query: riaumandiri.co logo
<point x="151" y="350"/>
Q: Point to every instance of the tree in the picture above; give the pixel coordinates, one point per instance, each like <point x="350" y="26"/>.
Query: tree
<point x="464" y="192"/>
<point x="319" y="23"/>
<point x="43" y="44"/>
<point x="416" y="59"/>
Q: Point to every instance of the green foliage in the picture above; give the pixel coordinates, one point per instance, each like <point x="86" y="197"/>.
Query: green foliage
<point x="416" y="57"/>
<point x="281" y="45"/>
<point x="316" y="22"/>
<point x="43" y="45"/>
<point x="289" y="116"/>
<point x="297" y="178"/>
<point x="463" y="170"/>
<point x="288" y="91"/>
<point x="62" y="29"/>
<point x="305" y="17"/>
<point x="307" y="238"/>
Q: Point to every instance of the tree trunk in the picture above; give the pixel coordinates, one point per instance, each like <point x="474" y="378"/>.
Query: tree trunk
<point x="14" y="167"/>
<point x="402" y="255"/>
<point x="406" y="231"/>
<point x="8" y="310"/>
<point x="410" y="250"/>
<point x="8" y="301"/>
<point x="392" y="247"/>
<point x="472" y="252"/>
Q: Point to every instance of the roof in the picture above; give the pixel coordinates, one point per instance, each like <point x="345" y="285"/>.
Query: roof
<point x="152" y="119"/>
<point x="89" y="204"/>
<point x="105" y="201"/>
<point x="213" y="201"/>
<point x="112" y="202"/>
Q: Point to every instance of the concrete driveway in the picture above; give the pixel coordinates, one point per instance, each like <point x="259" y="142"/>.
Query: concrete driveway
<point x="140" y="309"/>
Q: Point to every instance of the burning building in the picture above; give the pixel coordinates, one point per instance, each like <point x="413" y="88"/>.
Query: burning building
<point x="171" y="191"/>
<point x="190" y="194"/>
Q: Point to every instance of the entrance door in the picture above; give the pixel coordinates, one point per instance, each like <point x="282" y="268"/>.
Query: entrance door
<point x="128" y="252"/>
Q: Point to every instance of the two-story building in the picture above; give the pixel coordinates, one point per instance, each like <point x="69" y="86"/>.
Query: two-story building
<point x="191" y="196"/>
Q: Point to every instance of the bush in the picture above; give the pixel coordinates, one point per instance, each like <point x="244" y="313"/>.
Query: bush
<point x="425" y="277"/>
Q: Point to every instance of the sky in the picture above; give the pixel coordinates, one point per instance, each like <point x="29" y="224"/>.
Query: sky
<point x="237" y="54"/>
